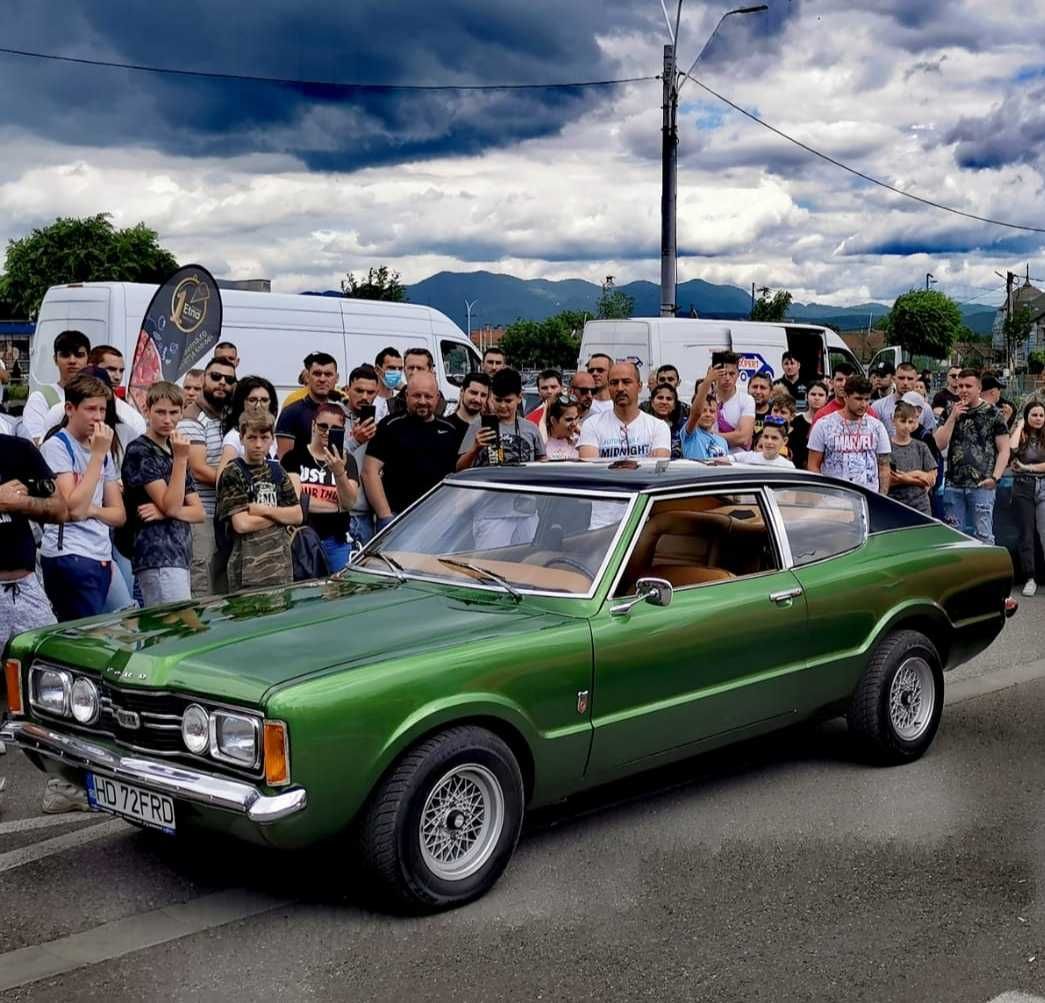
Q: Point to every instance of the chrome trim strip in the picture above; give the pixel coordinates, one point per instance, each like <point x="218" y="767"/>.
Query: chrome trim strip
<point x="176" y="781"/>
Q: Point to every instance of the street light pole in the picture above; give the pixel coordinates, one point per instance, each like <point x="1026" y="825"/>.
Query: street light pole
<point x="929" y="280"/>
<point x="468" y="309"/>
<point x="673" y="82"/>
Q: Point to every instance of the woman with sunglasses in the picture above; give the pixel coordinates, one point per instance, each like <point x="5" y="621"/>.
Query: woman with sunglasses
<point x="253" y="394"/>
<point x="664" y="404"/>
<point x="560" y="426"/>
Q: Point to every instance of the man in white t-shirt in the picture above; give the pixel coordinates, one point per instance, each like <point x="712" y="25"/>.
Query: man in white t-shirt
<point x="851" y="444"/>
<point x="598" y="367"/>
<point x="76" y="558"/>
<point x="624" y="431"/>
<point x="71" y="349"/>
<point x="736" y="408"/>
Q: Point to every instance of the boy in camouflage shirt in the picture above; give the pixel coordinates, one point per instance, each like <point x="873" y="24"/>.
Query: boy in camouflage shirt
<point x="258" y="499"/>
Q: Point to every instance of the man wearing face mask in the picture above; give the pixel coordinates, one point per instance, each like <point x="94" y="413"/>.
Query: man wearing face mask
<point x="389" y="366"/>
<point x="416" y="361"/>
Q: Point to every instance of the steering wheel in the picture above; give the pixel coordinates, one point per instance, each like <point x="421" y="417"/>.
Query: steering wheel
<point x="569" y="562"/>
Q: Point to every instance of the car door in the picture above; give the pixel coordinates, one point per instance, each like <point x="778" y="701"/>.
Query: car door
<point x="726" y="654"/>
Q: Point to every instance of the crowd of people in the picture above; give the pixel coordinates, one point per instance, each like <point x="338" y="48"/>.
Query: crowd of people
<point x="219" y="485"/>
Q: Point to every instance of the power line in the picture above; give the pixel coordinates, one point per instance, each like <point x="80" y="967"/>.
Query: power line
<point x="338" y="85"/>
<point x="860" y="174"/>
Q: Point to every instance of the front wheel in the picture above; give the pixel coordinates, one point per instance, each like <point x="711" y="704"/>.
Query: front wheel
<point x="442" y="826"/>
<point x="896" y="707"/>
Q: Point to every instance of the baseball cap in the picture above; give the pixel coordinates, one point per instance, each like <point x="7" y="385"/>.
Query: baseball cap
<point x="915" y="399"/>
<point x="991" y="383"/>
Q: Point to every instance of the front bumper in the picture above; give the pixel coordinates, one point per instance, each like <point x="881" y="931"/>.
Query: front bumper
<point x="177" y="781"/>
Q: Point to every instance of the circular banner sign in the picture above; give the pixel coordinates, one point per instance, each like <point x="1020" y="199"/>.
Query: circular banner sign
<point x="181" y="326"/>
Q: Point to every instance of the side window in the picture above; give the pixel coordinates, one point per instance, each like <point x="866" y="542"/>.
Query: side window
<point x="701" y="539"/>
<point x="821" y="522"/>
<point x="837" y="355"/>
<point x="458" y="361"/>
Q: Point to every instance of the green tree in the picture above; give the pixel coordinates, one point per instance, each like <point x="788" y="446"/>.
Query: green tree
<point x="538" y="344"/>
<point x="80" y="250"/>
<point x="1015" y="331"/>
<point x="613" y="304"/>
<point x="771" y="308"/>
<point x="1036" y="362"/>
<point x="925" y="322"/>
<point x="380" y="284"/>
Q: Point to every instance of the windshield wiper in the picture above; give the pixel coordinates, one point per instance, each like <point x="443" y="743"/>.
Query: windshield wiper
<point x="396" y="568"/>
<point x="482" y="572"/>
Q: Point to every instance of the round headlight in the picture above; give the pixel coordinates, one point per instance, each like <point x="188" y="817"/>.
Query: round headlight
<point x="195" y="729"/>
<point x="85" y="703"/>
<point x="51" y="691"/>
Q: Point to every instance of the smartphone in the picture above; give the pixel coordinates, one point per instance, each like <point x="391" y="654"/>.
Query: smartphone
<point x="492" y="422"/>
<point x="336" y="440"/>
<point x="717" y="357"/>
<point x="366" y="412"/>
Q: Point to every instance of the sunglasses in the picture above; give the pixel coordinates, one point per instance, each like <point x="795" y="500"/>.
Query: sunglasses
<point x="222" y="378"/>
<point x="587" y="391"/>
<point x="326" y="428"/>
<point x="775" y="421"/>
<point x="567" y="399"/>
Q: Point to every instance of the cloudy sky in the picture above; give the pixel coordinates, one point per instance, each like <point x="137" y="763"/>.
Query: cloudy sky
<point x="942" y="98"/>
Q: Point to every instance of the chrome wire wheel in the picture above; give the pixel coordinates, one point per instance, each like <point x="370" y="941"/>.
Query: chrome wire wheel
<point x="461" y="822"/>
<point x="912" y="699"/>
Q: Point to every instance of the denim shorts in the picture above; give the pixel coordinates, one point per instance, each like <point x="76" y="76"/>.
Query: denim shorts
<point x="161" y="585"/>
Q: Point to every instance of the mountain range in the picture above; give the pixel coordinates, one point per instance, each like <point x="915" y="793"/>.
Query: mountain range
<point x="502" y="299"/>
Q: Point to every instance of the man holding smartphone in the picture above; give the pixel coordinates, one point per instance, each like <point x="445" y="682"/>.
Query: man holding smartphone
<point x="361" y="401"/>
<point x="326" y="479"/>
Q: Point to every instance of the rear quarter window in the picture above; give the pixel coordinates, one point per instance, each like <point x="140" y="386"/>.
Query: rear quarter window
<point x="821" y="522"/>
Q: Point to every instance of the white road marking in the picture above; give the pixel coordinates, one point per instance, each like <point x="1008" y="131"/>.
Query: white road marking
<point x="1016" y="997"/>
<point x="46" y="822"/>
<point x="49" y="847"/>
<point x="134" y="933"/>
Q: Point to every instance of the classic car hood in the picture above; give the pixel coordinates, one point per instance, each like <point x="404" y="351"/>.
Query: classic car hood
<point x="237" y="647"/>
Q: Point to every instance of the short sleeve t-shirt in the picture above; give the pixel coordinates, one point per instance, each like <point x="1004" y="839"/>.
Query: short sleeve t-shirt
<point x="850" y="448"/>
<point x="205" y="430"/>
<point x="615" y="440"/>
<point x="758" y="459"/>
<point x="166" y="543"/>
<point x="262" y="557"/>
<point x="87" y="537"/>
<point x="295" y="421"/>
<point x="21" y="461"/>
<point x="599" y="406"/>
<point x="416" y="454"/>
<point x="701" y="445"/>
<point x="730" y="413"/>
<point x="520" y="443"/>
<point x="317" y="482"/>
<point x="973" y="450"/>
<point x="913" y="455"/>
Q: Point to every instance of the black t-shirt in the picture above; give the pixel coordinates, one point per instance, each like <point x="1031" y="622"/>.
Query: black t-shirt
<point x="416" y="455"/>
<point x="946" y="399"/>
<point x="797" y="389"/>
<point x="318" y="482"/>
<point x="296" y="420"/>
<point x="21" y="461"/>
<point x="461" y="426"/>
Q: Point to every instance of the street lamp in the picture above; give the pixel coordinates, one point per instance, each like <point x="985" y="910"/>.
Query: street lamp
<point x="929" y="280"/>
<point x="468" y="309"/>
<point x="669" y="166"/>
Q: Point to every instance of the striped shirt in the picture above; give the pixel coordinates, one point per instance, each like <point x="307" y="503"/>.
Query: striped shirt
<point x="206" y="430"/>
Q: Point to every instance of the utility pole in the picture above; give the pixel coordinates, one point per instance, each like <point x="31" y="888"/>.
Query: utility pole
<point x="468" y="309"/>
<point x="929" y="280"/>
<point x="1010" y="278"/>
<point x="673" y="82"/>
<point x="668" y="186"/>
<point x="752" y="297"/>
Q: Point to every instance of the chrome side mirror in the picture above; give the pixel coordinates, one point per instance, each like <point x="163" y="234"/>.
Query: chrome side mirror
<point x="655" y="591"/>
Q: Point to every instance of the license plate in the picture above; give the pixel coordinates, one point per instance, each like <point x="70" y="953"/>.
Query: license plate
<point x="153" y="810"/>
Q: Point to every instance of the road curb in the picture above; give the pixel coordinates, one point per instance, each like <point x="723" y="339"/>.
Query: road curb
<point x="993" y="682"/>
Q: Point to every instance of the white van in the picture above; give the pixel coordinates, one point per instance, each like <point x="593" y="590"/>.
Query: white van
<point x="273" y="332"/>
<point x="688" y="345"/>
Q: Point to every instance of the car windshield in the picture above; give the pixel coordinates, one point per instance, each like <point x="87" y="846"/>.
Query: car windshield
<point x="513" y="539"/>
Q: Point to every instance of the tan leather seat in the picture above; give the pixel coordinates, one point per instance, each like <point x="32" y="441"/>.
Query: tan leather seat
<point x="681" y="575"/>
<point x="703" y="526"/>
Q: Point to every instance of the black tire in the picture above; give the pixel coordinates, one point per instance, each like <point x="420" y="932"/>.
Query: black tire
<point x="403" y="874"/>
<point x="879" y="731"/>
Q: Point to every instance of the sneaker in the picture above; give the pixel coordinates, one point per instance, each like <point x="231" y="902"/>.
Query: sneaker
<point x="61" y="796"/>
<point x="1030" y="588"/>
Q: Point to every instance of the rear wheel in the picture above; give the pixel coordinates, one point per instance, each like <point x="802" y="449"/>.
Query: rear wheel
<point x="442" y="826"/>
<point x="896" y="707"/>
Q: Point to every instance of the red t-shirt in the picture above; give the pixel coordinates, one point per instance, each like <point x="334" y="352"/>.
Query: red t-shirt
<point x="833" y="405"/>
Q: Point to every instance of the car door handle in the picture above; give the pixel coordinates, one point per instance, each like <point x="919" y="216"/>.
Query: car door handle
<point x="785" y="597"/>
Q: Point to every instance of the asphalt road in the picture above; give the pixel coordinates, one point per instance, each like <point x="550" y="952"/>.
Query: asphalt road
<point x="778" y="870"/>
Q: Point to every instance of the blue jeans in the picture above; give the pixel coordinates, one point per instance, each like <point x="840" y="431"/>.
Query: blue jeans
<point x="336" y="551"/>
<point x="970" y="510"/>
<point x="77" y="586"/>
<point x="361" y="529"/>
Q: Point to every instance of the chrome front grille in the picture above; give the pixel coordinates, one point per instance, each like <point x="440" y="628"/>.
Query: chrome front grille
<point x="141" y="718"/>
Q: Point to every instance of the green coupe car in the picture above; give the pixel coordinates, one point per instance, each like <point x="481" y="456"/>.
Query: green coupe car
<point x="519" y="635"/>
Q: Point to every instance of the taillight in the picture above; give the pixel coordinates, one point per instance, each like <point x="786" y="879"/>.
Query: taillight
<point x="13" y="680"/>
<point x="277" y="754"/>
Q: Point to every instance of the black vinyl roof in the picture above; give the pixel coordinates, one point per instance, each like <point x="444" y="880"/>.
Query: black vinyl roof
<point x="599" y="475"/>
